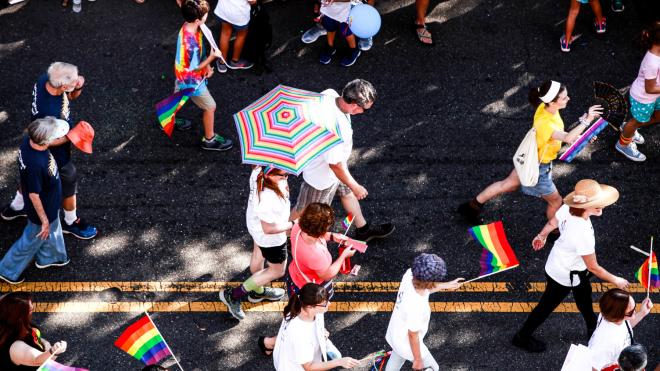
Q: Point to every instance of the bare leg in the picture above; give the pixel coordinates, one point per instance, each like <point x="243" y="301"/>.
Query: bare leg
<point x="208" y="119"/>
<point x="509" y="184"/>
<point x="573" y="12"/>
<point x="69" y="203"/>
<point x="421" y="6"/>
<point x="273" y="272"/>
<point x="257" y="260"/>
<point x="351" y="41"/>
<point x="331" y="39"/>
<point x="352" y="206"/>
<point x="225" y="35"/>
<point x="238" y="44"/>
<point x="554" y="201"/>
<point x="598" y="12"/>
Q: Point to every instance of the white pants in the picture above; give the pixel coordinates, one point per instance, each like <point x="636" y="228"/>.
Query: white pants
<point x="396" y="362"/>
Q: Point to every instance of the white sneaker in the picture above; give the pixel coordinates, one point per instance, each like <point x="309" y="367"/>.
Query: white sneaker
<point x="313" y="34"/>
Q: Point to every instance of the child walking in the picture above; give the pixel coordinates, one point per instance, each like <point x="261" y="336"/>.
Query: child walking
<point x="191" y="70"/>
<point x="234" y="15"/>
<point x="412" y="313"/>
<point x="599" y="22"/>
<point x="334" y="16"/>
<point x="644" y="97"/>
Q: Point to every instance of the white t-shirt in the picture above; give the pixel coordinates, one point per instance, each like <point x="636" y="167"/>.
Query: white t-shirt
<point x="411" y="313"/>
<point x="576" y="240"/>
<point x="236" y="12"/>
<point x="270" y="208"/>
<point x="607" y="342"/>
<point x="298" y="342"/>
<point x="318" y="173"/>
<point x="649" y="69"/>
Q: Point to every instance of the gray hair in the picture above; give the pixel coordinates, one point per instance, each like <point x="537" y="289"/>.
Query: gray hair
<point x="633" y="358"/>
<point x="41" y="130"/>
<point x="61" y="73"/>
<point x="359" y="91"/>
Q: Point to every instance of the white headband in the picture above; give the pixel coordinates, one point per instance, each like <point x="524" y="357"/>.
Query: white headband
<point x="552" y="92"/>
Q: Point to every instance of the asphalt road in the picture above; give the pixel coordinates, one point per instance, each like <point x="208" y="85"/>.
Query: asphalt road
<point x="447" y="122"/>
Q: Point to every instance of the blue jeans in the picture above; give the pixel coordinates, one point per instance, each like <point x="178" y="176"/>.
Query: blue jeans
<point x="30" y="246"/>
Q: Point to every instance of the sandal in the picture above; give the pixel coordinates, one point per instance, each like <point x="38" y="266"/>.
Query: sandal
<point x="262" y="347"/>
<point x="423" y="34"/>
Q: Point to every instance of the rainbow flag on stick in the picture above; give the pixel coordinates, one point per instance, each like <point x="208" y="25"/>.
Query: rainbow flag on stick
<point x="497" y="255"/>
<point x="143" y="341"/>
<point x="167" y="108"/>
<point x="648" y="274"/>
<point x="347" y="222"/>
<point x="51" y="365"/>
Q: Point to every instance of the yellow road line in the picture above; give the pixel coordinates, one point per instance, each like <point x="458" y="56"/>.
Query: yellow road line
<point x="368" y="306"/>
<point x="211" y="286"/>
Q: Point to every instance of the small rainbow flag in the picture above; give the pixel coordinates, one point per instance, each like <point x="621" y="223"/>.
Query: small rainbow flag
<point x="51" y="365"/>
<point x="348" y="220"/>
<point x="143" y="341"/>
<point x="167" y="108"/>
<point x="642" y="274"/>
<point x="497" y="254"/>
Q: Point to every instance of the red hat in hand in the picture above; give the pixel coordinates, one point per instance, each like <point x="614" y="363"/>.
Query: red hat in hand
<point x="82" y="136"/>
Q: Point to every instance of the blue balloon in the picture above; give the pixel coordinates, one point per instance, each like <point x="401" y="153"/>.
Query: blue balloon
<point x="364" y="21"/>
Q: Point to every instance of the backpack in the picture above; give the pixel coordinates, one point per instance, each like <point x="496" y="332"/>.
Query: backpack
<point x="526" y="160"/>
<point x="259" y="37"/>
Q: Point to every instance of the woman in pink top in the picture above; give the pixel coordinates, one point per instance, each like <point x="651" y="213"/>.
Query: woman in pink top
<point x="310" y="259"/>
<point x="644" y="97"/>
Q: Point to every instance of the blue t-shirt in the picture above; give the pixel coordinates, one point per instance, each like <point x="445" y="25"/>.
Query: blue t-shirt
<point x="44" y="104"/>
<point x="39" y="174"/>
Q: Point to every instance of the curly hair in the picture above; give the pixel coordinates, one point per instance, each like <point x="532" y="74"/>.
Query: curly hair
<point x="316" y="218"/>
<point x="193" y="10"/>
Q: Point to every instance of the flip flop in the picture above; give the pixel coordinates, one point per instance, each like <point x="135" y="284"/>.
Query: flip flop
<point x="262" y="347"/>
<point x="424" y="35"/>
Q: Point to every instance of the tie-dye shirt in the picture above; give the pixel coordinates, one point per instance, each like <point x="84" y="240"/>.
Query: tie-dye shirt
<point x="189" y="54"/>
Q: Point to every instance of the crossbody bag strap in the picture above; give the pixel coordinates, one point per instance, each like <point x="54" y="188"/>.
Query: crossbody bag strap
<point x="295" y="260"/>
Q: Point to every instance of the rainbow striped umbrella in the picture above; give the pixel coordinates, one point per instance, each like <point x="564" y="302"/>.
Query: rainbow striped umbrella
<point x="286" y="128"/>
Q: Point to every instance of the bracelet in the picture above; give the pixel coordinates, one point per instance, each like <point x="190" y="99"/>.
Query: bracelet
<point x="584" y="121"/>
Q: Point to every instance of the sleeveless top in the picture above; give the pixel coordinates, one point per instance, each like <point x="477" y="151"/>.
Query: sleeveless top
<point x="32" y="339"/>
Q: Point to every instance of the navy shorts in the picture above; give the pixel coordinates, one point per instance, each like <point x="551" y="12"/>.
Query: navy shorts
<point x="332" y="25"/>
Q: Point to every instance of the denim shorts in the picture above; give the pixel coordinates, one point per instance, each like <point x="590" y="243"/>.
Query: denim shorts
<point x="235" y="27"/>
<point x="545" y="186"/>
<point x="642" y="112"/>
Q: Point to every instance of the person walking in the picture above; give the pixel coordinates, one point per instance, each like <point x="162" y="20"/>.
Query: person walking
<point x="51" y="96"/>
<point x="548" y="99"/>
<point x="40" y="180"/>
<point x="303" y="342"/>
<point x="572" y="260"/>
<point x="21" y="346"/>
<point x="328" y="174"/>
<point x="268" y="222"/>
<point x="410" y="319"/>
<point x="615" y="326"/>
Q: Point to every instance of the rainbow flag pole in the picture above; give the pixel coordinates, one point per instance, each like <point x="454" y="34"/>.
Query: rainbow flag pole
<point x="348" y="222"/>
<point x="490" y="274"/>
<point x="648" y="285"/>
<point x="164" y="341"/>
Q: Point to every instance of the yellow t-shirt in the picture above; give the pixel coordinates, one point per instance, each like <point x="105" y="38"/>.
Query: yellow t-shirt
<point x="545" y="124"/>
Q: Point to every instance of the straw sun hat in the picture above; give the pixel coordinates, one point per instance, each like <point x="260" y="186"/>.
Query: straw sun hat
<point x="589" y="194"/>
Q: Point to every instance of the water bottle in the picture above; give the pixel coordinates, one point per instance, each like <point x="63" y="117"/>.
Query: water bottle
<point x="77" y="6"/>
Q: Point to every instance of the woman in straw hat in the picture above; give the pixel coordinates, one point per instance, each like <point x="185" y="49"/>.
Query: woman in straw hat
<point x="572" y="259"/>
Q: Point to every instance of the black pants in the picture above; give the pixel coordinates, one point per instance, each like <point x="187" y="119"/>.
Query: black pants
<point x="553" y="295"/>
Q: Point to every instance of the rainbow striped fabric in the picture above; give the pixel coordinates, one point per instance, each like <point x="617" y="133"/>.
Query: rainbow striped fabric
<point x="190" y="53"/>
<point x="167" y="108"/>
<point x="497" y="254"/>
<point x="583" y="140"/>
<point x="143" y="341"/>
<point x="642" y="274"/>
<point x="348" y="220"/>
<point x="51" y="365"/>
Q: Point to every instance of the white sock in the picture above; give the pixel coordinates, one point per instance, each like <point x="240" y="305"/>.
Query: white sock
<point x="70" y="216"/>
<point x="17" y="203"/>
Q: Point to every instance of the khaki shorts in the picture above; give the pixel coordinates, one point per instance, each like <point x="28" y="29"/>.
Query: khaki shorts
<point x="309" y="194"/>
<point x="204" y="101"/>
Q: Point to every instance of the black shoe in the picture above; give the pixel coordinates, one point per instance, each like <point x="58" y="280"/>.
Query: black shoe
<point x="12" y="282"/>
<point x="10" y="214"/>
<point x="377" y="231"/>
<point x="218" y="143"/>
<point x="470" y="214"/>
<point x="530" y="344"/>
<point x="182" y="124"/>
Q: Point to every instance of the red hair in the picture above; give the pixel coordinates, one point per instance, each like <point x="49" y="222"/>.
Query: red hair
<point x="263" y="181"/>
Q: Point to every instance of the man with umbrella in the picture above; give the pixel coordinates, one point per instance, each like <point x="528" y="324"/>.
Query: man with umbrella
<point x="328" y="173"/>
